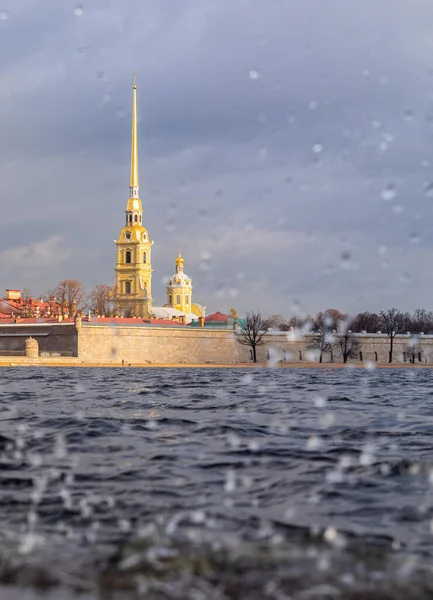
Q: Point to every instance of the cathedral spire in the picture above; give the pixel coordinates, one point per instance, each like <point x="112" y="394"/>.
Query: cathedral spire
<point x="133" y="183"/>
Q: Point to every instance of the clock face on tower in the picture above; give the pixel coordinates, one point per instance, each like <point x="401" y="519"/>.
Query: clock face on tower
<point x="128" y="235"/>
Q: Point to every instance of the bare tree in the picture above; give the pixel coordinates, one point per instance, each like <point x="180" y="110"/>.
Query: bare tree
<point x="278" y="322"/>
<point x="253" y="332"/>
<point x="392" y="323"/>
<point x="70" y="296"/>
<point x="347" y="345"/>
<point x="100" y="300"/>
<point x="324" y="325"/>
<point x="366" y="321"/>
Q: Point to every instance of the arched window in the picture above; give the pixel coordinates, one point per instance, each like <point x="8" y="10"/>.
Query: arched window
<point x="404" y="357"/>
<point x="300" y="354"/>
<point x="144" y="257"/>
<point x="170" y="299"/>
<point x="136" y="218"/>
<point x="186" y="299"/>
<point x="251" y="355"/>
<point x="375" y="356"/>
<point x="127" y="287"/>
<point x="178" y="299"/>
<point x="130" y="219"/>
<point x="361" y="358"/>
<point x="128" y="257"/>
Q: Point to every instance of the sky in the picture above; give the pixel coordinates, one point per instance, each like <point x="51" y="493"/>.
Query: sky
<point x="286" y="147"/>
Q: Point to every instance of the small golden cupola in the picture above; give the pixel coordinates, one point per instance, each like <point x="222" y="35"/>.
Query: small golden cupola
<point x="132" y="292"/>
<point x="179" y="288"/>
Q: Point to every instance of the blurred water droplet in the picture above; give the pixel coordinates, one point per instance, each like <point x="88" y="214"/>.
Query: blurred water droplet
<point x="233" y="292"/>
<point x="345" y="261"/>
<point x="384" y="80"/>
<point x="254" y="74"/>
<point x="408" y="114"/>
<point x="382" y="249"/>
<point x="388" y="193"/>
<point x="369" y="365"/>
<point x="262" y="117"/>
<point x="320" y="401"/>
<point x="366" y="72"/>
<point x="170" y="227"/>
<point x="3" y="15"/>
<point x="384" y="264"/>
<point x="317" y="148"/>
<point x="376" y="124"/>
<point x="206" y="255"/>
<point x="383" y="147"/>
<point x="291" y="118"/>
<point x="314" y="442"/>
<point x="78" y="10"/>
<point x="425" y="163"/>
<point x="414" y="238"/>
<point x="79" y="388"/>
<point x="313" y="105"/>
<point x="230" y="481"/>
<point x="397" y="209"/>
<point x="428" y="189"/>
<point x="404" y="278"/>
<point x="263" y="153"/>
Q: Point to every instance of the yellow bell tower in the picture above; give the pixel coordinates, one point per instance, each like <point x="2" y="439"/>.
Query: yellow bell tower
<point x="179" y="289"/>
<point x="132" y="292"/>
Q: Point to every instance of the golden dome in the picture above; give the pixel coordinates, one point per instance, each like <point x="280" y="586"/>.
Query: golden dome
<point x="179" y="260"/>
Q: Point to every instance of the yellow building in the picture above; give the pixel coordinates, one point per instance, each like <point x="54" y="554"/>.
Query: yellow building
<point x="133" y="290"/>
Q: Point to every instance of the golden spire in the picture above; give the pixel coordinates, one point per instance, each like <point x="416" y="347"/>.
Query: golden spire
<point x="133" y="183"/>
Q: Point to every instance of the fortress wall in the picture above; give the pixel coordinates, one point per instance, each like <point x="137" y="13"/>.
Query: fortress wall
<point x="285" y="347"/>
<point x="55" y="337"/>
<point x="156" y="345"/>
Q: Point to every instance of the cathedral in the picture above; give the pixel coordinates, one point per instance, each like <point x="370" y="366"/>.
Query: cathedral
<point x="133" y="284"/>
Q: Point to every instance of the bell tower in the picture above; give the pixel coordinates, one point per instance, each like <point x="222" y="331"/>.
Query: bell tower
<point x="132" y="291"/>
<point x="179" y="289"/>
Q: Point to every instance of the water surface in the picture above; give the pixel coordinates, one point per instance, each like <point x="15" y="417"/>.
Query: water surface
<point x="171" y="483"/>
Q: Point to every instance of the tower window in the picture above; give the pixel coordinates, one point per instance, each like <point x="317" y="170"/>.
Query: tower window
<point x="128" y="257"/>
<point x="144" y="257"/>
<point x="178" y="299"/>
<point x="136" y="218"/>
<point x="186" y="299"/>
<point x="130" y="219"/>
<point x="170" y="299"/>
<point x="127" y="287"/>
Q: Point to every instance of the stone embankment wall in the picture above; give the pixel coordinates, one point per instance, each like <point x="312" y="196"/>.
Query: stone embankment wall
<point x="156" y="344"/>
<point x="95" y="343"/>
<point x="289" y="347"/>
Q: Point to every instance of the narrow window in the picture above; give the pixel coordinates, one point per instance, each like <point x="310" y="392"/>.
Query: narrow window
<point x="419" y="357"/>
<point x="177" y="299"/>
<point x="136" y="218"/>
<point x="130" y="218"/>
<point x="186" y="299"/>
<point x="361" y="357"/>
<point x="251" y="355"/>
<point x="144" y="257"/>
<point x="128" y="256"/>
<point x="375" y="356"/>
<point x="300" y="355"/>
<point x="127" y="287"/>
<point x="170" y="299"/>
<point x="404" y="357"/>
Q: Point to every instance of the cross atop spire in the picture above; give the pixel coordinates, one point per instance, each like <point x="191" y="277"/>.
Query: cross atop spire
<point x="133" y="182"/>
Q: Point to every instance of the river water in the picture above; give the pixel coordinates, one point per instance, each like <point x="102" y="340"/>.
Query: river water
<point x="216" y="483"/>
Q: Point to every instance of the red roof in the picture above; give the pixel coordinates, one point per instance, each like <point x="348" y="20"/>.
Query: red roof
<point x="218" y="316"/>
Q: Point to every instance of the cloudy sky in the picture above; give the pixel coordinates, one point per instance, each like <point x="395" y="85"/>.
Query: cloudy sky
<point x="286" y="146"/>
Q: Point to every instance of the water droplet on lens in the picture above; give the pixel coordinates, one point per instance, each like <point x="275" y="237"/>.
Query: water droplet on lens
<point x="382" y="249"/>
<point x="428" y="189"/>
<point x="397" y="209"/>
<point x="3" y="15"/>
<point x="366" y="72"/>
<point x="170" y="227"/>
<point x="263" y="153"/>
<point x="254" y="74"/>
<point x="78" y="10"/>
<point x="345" y="260"/>
<point x="388" y="193"/>
<point x="206" y="255"/>
<point x="414" y="238"/>
<point x="291" y="118"/>
<point x="314" y="442"/>
<point x="408" y="114"/>
<point x="121" y="113"/>
<point x="106" y="97"/>
<point x="313" y="105"/>
<point x="376" y="124"/>
<point x="317" y="148"/>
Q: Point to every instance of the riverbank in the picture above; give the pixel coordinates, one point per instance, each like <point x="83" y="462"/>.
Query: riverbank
<point x="21" y="361"/>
